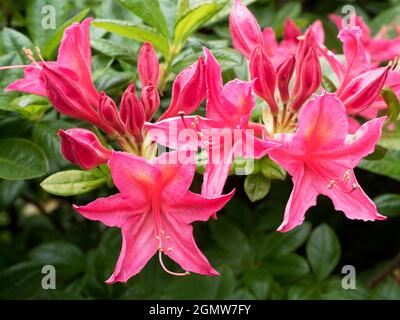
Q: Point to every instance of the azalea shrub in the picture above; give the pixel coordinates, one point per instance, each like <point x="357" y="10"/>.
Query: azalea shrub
<point x="176" y="149"/>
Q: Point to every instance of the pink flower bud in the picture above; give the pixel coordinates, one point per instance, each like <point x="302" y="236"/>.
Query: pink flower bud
<point x="308" y="80"/>
<point x="363" y="90"/>
<point x="305" y="43"/>
<point x="109" y="113"/>
<point x="290" y="30"/>
<point x="81" y="147"/>
<point x="263" y="73"/>
<point x="150" y="100"/>
<point x="188" y="90"/>
<point x="284" y="75"/>
<point x="132" y="113"/>
<point x="148" y="65"/>
<point x="67" y="96"/>
<point x="245" y="30"/>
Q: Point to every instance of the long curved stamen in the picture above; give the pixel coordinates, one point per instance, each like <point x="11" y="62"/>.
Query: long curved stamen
<point x="179" y="274"/>
<point x="160" y="235"/>
<point x="341" y="183"/>
<point x="21" y="66"/>
<point x="195" y="126"/>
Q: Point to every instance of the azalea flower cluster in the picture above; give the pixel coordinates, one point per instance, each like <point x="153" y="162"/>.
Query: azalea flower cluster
<point x="315" y="135"/>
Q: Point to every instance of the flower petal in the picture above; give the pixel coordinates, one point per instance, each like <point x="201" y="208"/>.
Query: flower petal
<point x="134" y="177"/>
<point x="194" y="207"/>
<point x="303" y="196"/>
<point x="113" y="211"/>
<point x="139" y="244"/>
<point x="182" y="248"/>
<point x="322" y="123"/>
<point x="177" y="171"/>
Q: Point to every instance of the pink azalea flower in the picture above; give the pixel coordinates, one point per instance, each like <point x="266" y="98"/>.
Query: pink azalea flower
<point x="74" y="58"/>
<point x="379" y="47"/>
<point x="223" y="133"/>
<point x="154" y="210"/>
<point x="320" y="157"/>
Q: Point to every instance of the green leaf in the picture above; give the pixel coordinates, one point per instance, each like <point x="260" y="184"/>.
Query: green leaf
<point x="52" y="42"/>
<point x="289" y="268"/>
<point x="389" y="166"/>
<point x="45" y="135"/>
<point x="149" y="11"/>
<point x="135" y="31"/>
<point x="13" y="40"/>
<point x="73" y="182"/>
<point x="67" y="258"/>
<point x="20" y="281"/>
<point x="230" y="237"/>
<point x="31" y="106"/>
<point x="256" y="186"/>
<point x="390" y="139"/>
<point x="385" y="17"/>
<point x="259" y="282"/>
<point x="328" y="84"/>
<point x="388" y="204"/>
<point x="193" y="18"/>
<point x="20" y="159"/>
<point x="9" y="191"/>
<point x="271" y="170"/>
<point x="388" y="290"/>
<point x="113" y="49"/>
<point x="228" y="58"/>
<point x="323" y="251"/>
<point x="392" y="102"/>
<point x="279" y="244"/>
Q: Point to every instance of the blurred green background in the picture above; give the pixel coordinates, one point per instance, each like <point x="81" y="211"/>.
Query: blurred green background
<point x="254" y="260"/>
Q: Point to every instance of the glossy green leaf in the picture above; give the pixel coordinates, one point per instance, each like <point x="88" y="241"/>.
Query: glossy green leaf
<point x="193" y="18"/>
<point x="256" y="186"/>
<point x="135" y="31"/>
<point x="278" y="244"/>
<point x="73" y="182"/>
<point x="323" y="251"/>
<point x="149" y="11"/>
<point x="271" y="170"/>
<point x="389" y="166"/>
<point x="65" y="257"/>
<point x="388" y="204"/>
<point x="21" y="159"/>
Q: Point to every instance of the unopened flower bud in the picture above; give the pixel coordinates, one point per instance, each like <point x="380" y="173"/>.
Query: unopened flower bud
<point x="263" y="73"/>
<point x="188" y="90"/>
<point x="245" y="30"/>
<point x="109" y="113"/>
<point x="363" y="90"/>
<point x="132" y="113"/>
<point x="308" y="80"/>
<point x="284" y="75"/>
<point x="81" y="147"/>
<point x="150" y="100"/>
<point x="148" y="65"/>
